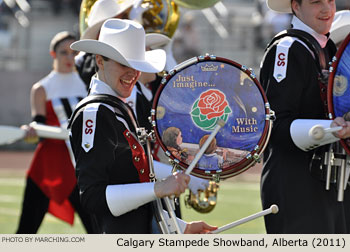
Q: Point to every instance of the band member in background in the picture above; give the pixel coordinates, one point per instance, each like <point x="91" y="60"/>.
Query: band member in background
<point x="51" y="183"/>
<point x="290" y="77"/>
<point x="111" y="165"/>
<point x="339" y="30"/>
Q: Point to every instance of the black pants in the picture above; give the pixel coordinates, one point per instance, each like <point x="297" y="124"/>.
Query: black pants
<point x="35" y="205"/>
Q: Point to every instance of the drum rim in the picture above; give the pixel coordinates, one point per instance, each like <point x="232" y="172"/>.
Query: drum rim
<point x="243" y="164"/>
<point x="334" y="68"/>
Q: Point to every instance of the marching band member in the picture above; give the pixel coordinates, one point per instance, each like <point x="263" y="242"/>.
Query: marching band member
<point x="339" y="30"/>
<point x="51" y="183"/>
<point x="290" y="77"/>
<point x="140" y="99"/>
<point x="111" y="164"/>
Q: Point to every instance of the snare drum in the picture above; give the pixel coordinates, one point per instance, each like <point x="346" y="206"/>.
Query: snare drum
<point x="190" y="101"/>
<point x="338" y="87"/>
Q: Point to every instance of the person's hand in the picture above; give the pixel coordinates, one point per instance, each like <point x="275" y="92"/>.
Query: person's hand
<point x="345" y="131"/>
<point x="172" y="185"/>
<point x="198" y="227"/>
<point x="30" y="134"/>
<point x="196" y="184"/>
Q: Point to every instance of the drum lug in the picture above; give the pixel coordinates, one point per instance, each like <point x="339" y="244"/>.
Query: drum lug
<point x="216" y="178"/>
<point x="207" y="55"/>
<point x="271" y="116"/>
<point x="252" y="73"/>
<point x="256" y="157"/>
<point x="171" y="72"/>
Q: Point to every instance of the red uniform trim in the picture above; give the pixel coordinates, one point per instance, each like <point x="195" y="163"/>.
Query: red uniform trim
<point x="139" y="158"/>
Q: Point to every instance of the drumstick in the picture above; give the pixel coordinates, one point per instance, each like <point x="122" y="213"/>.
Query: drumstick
<point x="318" y="132"/>
<point x="273" y="209"/>
<point x="331" y="130"/>
<point x="46" y="131"/>
<point x="218" y="126"/>
<point x="10" y="134"/>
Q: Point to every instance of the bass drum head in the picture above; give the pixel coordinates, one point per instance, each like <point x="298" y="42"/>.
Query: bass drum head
<point x="338" y="87"/>
<point x="188" y="105"/>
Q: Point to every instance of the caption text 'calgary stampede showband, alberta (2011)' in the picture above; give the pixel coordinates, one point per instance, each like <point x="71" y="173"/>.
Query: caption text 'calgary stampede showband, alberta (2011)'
<point x="147" y="242"/>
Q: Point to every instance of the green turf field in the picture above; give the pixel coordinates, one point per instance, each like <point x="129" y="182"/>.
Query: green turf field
<point x="235" y="200"/>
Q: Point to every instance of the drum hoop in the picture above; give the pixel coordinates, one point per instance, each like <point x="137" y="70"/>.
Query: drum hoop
<point x="333" y="70"/>
<point x="243" y="164"/>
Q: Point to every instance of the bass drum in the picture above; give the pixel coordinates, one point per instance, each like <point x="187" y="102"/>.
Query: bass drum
<point x="190" y="101"/>
<point x="338" y="87"/>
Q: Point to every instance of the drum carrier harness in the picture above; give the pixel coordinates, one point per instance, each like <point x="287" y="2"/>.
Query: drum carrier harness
<point x="326" y="160"/>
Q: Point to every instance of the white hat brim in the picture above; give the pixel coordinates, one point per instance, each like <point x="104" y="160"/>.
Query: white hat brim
<point x="283" y="6"/>
<point x="156" y="40"/>
<point x="93" y="31"/>
<point x="154" y="60"/>
<point x="340" y="26"/>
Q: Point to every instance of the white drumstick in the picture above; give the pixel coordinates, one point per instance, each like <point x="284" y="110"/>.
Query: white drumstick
<point x="46" y="131"/>
<point x="10" y="134"/>
<point x="331" y="130"/>
<point x="318" y="132"/>
<point x="218" y="126"/>
<point x="273" y="209"/>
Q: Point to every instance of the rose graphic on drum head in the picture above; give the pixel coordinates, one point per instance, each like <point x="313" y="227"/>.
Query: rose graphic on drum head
<point x="209" y="108"/>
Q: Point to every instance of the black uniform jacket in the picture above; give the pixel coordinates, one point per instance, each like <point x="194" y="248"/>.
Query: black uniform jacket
<point x="305" y="206"/>
<point x="108" y="162"/>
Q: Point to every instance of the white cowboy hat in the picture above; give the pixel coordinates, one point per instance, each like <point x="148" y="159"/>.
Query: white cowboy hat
<point x="123" y="41"/>
<point x="340" y="26"/>
<point x="161" y="41"/>
<point x="101" y="11"/>
<point x="283" y="6"/>
<point x="156" y="40"/>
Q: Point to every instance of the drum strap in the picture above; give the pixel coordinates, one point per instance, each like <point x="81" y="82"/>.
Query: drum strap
<point x="319" y="56"/>
<point x="109" y="100"/>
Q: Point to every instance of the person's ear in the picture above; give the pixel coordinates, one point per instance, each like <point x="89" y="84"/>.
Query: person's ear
<point x="295" y="7"/>
<point x="53" y="54"/>
<point x="99" y="61"/>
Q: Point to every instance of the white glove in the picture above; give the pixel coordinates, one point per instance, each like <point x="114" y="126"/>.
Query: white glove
<point x="197" y="184"/>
